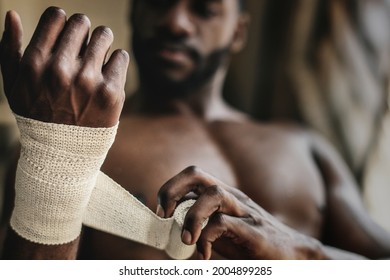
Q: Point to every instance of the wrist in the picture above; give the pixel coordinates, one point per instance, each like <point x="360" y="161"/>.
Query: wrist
<point x="56" y="174"/>
<point x="312" y="249"/>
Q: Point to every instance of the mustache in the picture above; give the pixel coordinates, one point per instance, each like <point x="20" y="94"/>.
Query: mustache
<point x="158" y="43"/>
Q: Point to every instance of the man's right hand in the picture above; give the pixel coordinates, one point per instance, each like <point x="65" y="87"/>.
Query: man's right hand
<point x="62" y="77"/>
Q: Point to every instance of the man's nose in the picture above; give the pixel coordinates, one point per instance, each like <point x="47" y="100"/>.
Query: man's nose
<point x="178" y="20"/>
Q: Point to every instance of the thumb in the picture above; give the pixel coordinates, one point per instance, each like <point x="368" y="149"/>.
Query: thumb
<point x="11" y="50"/>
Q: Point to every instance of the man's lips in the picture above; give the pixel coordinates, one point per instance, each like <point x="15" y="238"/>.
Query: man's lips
<point x="174" y="55"/>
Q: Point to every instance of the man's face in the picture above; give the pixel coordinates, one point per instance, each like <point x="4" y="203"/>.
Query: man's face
<point x="180" y="44"/>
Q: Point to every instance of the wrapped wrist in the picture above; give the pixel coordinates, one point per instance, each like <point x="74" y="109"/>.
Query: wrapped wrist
<point x="56" y="174"/>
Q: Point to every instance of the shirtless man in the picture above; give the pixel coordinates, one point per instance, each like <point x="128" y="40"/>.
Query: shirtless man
<point x="272" y="191"/>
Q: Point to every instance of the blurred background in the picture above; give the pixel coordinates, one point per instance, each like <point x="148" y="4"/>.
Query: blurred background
<point x="322" y="63"/>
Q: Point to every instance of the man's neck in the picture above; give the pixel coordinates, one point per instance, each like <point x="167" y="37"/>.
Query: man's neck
<point x="205" y="103"/>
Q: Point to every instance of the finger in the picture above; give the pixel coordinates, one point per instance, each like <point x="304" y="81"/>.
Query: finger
<point x="115" y="70"/>
<point x="215" y="228"/>
<point x="47" y="32"/>
<point x="112" y="91"/>
<point x="191" y="179"/>
<point x="229" y="236"/>
<point x="73" y="37"/>
<point x="11" y="50"/>
<point x="213" y="200"/>
<point x="97" y="49"/>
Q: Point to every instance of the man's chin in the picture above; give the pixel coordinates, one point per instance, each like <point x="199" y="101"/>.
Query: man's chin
<point x="174" y="77"/>
<point x="168" y="86"/>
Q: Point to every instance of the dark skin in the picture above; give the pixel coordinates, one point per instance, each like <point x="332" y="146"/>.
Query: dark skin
<point x="61" y="78"/>
<point x="276" y="191"/>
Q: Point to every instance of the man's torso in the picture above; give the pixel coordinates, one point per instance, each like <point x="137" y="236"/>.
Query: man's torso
<point x="271" y="164"/>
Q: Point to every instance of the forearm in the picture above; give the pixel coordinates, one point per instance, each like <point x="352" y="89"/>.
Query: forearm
<point x="301" y="247"/>
<point x="338" y="254"/>
<point x="295" y="245"/>
<point x="308" y="248"/>
<point x="16" y="247"/>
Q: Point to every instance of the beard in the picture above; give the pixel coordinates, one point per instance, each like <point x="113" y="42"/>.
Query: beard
<point x="159" y="85"/>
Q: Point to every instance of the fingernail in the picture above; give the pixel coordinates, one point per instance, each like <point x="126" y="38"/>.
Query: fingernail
<point x="160" y="211"/>
<point x="186" y="237"/>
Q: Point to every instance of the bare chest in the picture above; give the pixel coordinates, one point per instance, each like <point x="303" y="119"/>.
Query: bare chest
<point x="276" y="172"/>
<point x="143" y="159"/>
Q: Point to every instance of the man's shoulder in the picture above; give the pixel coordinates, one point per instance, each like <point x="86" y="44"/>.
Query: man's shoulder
<point x="280" y="127"/>
<point x="275" y="135"/>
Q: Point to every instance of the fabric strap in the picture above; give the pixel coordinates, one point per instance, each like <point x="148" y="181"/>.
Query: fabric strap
<point x="59" y="187"/>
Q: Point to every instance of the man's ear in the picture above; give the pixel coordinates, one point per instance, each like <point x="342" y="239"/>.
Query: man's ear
<point x="241" y="33"/>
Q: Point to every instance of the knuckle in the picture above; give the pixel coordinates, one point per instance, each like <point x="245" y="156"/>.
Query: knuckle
<point x="60" y="73"/>
<point x="80" y="19"/>
<point x="31" y="64"/>
<point x="104" y="32"/>
<point x="192" y="170"/>
<point x="106" y="92"/>
<point x="59" y="66"/>
<point x="108" y="96"/>
<point x="86" y="81"/>
<point x="218" y="220"/>
<point x="121" y="59"/>
<point x="255" y="220"/>
<point x="215" y="191"/>
<point x="169" y="194"/>
<point x="54" y="11"/>
<point x="215" y="228"/>
<point x="52" y="15"/>
<point x="122" y="55"/>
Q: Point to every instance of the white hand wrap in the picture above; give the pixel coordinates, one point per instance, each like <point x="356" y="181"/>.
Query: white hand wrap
<point x="56" y="174"/>
<point x="114" y="210"/>
<point x="59" y="186"/>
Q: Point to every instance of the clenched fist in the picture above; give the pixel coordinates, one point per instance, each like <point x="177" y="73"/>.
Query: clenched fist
<point x="63" y="76"/>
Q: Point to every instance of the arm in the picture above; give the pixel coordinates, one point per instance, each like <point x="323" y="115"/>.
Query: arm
<point x="348" y="224"/>
<point x="16" y="247"/>
<point x="61" y="78"/>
